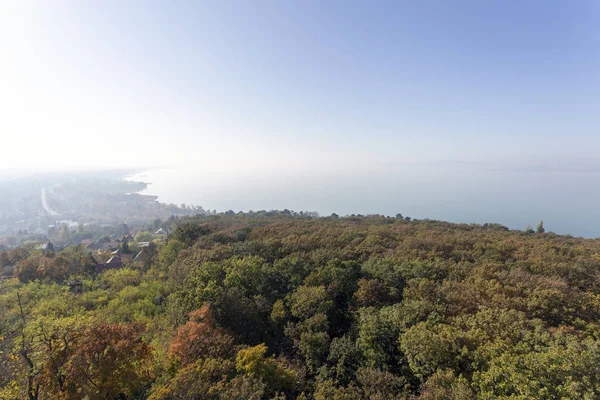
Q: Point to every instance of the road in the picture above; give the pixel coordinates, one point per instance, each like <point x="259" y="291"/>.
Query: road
<point x="45" y="204"/>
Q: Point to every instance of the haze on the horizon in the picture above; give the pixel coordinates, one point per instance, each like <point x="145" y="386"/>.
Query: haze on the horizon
<point x="298" y="85"/>
<point x="321" y="91"/>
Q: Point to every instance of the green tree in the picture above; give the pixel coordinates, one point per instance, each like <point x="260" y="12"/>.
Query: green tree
<point x="189" y="231"/>
<point x="428" y="348"/>
<point x="203" y="380"/>
<point x="168" y="253"/>
<point x="254" y="363"/>
<point x="444" y="385"/>
<point x="143" y="236"/>
<point x="379" y="385"/>
<point x="540" y="227"/>
<point x="308" y="301"/>
<point x="330" y="390"/>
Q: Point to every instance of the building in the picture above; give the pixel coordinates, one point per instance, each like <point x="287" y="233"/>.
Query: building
<point x="127" y="238"/>
<point x="45" y="246"/>
<point x="161" y="232"/>
<point x="102" y="245"/>
<point x="113" y="263"/>
<point x="71" y="225"/>
<point x="126" y="257"/>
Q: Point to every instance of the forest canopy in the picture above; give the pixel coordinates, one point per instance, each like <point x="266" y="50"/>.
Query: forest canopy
<point x="288" y="306"/>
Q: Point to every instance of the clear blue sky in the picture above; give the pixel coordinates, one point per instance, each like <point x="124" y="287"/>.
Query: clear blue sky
<point x="314" y="84"/>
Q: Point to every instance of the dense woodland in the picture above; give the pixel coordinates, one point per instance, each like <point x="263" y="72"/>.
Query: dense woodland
<point x="287" y="306"/>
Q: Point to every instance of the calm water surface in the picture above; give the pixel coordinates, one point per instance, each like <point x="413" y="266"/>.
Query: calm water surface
<point x="566" y="200"/>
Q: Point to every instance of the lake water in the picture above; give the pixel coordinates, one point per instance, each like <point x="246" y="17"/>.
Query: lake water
<point x="565" y="199"/>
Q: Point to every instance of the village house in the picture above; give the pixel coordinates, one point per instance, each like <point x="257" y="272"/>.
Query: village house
<point x="113" y="263"/>
<point x="102" y="245"/>
<point x="85" y="242"/>
<point x="160" y="232"/>
<point x="120" y="253"/>
<point x="127" y="238"/>
<point x="45" y="246"/>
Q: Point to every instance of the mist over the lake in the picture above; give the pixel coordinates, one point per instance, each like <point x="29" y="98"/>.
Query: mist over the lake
<point x="515" y="195"/>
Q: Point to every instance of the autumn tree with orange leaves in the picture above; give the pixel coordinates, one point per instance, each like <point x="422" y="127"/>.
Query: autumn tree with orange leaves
<point x="200" y="338"/>
<point x="111" y="361"/>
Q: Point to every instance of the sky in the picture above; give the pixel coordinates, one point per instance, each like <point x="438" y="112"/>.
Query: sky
<point x="299" y="87"/>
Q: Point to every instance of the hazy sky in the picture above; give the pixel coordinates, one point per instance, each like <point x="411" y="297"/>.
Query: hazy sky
<point x="297" y="85"/>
